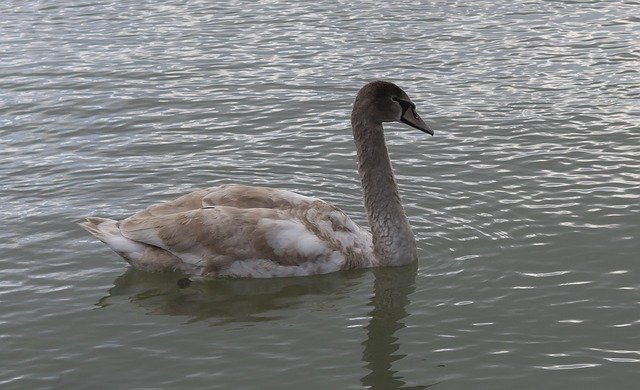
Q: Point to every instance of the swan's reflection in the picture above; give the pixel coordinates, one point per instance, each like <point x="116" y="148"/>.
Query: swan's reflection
<point x="252" y="300"/>
<point x="225" y="300"/>
<point x="392" y="288"/>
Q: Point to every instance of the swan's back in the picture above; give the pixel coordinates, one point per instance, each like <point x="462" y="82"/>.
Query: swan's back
<point x="233" y="195"/>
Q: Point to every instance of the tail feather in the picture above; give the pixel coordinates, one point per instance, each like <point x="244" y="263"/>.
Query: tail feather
<point x="93" y="226"/>
<point x="138" y="254"/>
<point x="107" y="231"/>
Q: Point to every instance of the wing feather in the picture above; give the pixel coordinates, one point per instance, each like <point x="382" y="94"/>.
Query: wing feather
<point x="216" y="227"/>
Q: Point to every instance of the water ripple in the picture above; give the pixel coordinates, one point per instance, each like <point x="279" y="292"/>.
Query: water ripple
<point x="524" y="204"/>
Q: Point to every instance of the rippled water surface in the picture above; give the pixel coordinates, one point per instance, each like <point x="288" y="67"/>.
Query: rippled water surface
<point x="525" y="203"/>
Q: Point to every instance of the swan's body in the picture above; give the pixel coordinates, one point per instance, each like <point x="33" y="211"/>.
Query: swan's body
<point x="243" y="231"/>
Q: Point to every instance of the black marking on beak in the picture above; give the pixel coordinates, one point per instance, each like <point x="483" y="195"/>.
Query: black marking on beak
<point x="411" y="117"/>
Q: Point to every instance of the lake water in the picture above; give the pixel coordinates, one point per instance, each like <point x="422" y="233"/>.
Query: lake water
<point x="525" y="203"/>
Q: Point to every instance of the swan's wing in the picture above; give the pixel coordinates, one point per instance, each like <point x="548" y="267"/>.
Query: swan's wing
<point x="196" y="236"/>
<point x="220" y="229"/>
<point x="214" y="239"/>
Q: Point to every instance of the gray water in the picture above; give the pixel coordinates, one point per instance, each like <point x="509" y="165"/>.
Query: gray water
<point x="525" y="203"/>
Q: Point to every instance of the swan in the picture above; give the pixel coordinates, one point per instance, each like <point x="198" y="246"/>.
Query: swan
<point x="235" y="230"/>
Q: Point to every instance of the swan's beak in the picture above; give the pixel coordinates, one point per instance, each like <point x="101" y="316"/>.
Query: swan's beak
<point x="411" y="117"/>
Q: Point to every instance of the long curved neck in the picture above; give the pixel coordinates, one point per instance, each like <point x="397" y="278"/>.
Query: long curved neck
<point x="393" y="240"/>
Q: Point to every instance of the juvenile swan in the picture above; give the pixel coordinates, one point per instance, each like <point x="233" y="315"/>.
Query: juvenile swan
<point x="242" y="231"/>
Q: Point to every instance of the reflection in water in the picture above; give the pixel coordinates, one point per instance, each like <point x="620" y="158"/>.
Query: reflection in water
<point x="391" y="296"/>
<point x="225" y="300"/>
<point x="253" y="300"/>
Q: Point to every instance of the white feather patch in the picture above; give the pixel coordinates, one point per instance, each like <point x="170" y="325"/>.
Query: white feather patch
<point x="287" y="236"/>
<point x="122" y="244"/>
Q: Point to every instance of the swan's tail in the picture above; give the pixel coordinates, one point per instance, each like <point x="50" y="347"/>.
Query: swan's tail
<point x="138" y="254"/>
<point x="107" y="231"/>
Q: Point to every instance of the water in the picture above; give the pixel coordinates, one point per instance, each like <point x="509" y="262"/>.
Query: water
<point x="525" y="204"/>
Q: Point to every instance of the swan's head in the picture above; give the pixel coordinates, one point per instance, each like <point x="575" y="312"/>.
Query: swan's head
<point x="382" y="101"/>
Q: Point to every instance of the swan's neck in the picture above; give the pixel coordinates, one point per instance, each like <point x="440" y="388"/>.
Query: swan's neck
<point x="393" y="240"/>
